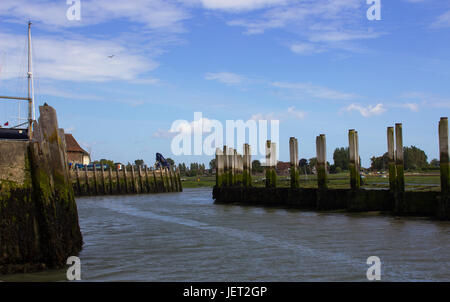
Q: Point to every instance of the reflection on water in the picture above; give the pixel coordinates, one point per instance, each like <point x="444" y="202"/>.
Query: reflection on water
<point x="185" y="237"/>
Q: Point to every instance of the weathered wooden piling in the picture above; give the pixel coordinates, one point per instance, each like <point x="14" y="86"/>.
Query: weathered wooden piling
<point x="155" y="182"/>
<point x="118" y="181"/>
<point x="147" y="181"/>
<point x="110" y="181"/>
<point x="163" y="183"/>
<point x="247" y="166"/>
<point x="293" y="154"/>
<point x="219" y="167"/>
<point x="444" y="155"/>
<point x="133" y="181"/>
<point x="271" y="162"/>
<point x="141" y="184"/>
<point x="94" y="169"/>
<point x="353" y="164"/>
<point x="179" y="180"/>
<point x="321" y="151"/>
<point x="77" y="175"/>
<point x="125" y="179"/>
<point x="230" y="168"/>
<point x="399" y="165"/>
<point x="103" y="179"/>
<point x="391" y="157"/>
<point x="86" y="180"/>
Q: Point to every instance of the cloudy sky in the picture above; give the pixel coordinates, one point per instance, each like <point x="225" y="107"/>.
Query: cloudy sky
<point x="121" y="75"/>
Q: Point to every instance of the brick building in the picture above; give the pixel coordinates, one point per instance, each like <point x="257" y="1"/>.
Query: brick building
<point x="76" y="154"/>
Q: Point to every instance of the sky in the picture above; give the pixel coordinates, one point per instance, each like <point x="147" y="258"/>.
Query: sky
<point x="122" y="74"/>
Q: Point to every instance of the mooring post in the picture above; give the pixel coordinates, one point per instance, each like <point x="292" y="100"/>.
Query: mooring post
<point x="179" y="180"/>
<point x="219" y="167"/>
<point x="321" y="151"/>
<point x="444" y="156"/>
<point x="94" y="168"/>
<point x="103" y="179"/>
<point x="230" y="156"/>
<point x="86" y="180"/>
<point x="358" y="163"/>
<point x="172" y="184"/>
<point x="271" y="161"/>
<point x="391" y="158"/>
<point x="147" y="182"/>
<point x="399" y="158"/>
<point x="163" y="185"/>
<point x="125" y="178"/>
<point x="155" y="182"/>
<point x="175" y="181"/>
<point x="141" y="184"/>
<point x="293" y="156"/>
<point x="78" y="180"/>
<point x="110" y="180"/>
<point x="353" y="164"/>
<point x="247" y="166"/>
<point x="118" y="180"/>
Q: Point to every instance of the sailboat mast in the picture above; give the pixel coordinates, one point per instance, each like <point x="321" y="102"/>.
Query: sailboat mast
<point x="31" y="113"/>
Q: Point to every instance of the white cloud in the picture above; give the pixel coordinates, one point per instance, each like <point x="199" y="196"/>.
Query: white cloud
<point x="442" y="21"/>
<point x="161" y="133"/>
<point x="240" y="5"/>
<point x="310" y="90"/>
<point x="76" y="59"/>
<point x="154" y="14"/>
<point x="225" y="77"/>
<point x="306" y="48"/>
<point x="367" y="111"/>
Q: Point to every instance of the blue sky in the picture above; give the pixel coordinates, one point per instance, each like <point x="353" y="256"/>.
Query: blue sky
<point x="317" y="66"/>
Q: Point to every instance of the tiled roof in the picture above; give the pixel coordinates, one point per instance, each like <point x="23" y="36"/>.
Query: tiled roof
<point x="72" y="145"/>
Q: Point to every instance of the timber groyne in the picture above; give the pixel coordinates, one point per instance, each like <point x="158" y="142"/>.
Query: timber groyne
<point x="234" y="180"/>
<point x="38" y="215"/>
<point x="128" y="180"/>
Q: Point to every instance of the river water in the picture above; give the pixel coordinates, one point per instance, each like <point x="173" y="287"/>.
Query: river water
<point x="186" y="237"/>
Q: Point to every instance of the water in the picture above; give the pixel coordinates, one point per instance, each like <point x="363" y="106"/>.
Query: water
<point x="185" y="237"/>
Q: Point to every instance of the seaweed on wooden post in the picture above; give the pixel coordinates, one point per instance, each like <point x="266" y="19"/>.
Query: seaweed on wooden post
<point x="133" y="180"/>
<point x="321" y="161"/>
<point x="271" y="159"/>
<point x="247" y="166"/>
<point x="399" y="158"/>
<point x="172" y="184"/>
<point x="179" y="180"/>
<point x="391" y="159"/>
<point x="293" y="156"/>
<point x="155" y="182"/>
<point x="444" y="156"/>
<point x="163" y="185"/>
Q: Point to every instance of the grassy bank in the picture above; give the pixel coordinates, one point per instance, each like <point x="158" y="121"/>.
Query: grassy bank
<point x="414" y="181"/>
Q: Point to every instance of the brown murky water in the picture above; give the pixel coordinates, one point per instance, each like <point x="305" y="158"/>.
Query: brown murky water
<point x="185" y="237"/>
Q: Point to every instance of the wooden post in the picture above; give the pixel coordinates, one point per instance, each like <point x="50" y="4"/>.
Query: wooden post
<point x="399" y="158"/>
<point x="353" y="164"/>
<point x="179" y="181"/>
<point x="78" y="180"/>
<point x="358" y="163"/>
<point x="147" y="181"/>
<point x="271" y="174"/>
<point x="293" y="156"/>
<point x="110" y="181"/>
<point x="103" y="179"/>
<point x="155" y="183"/>
<point x="219" y="167"/>
<point x="86" y="180"/>
<point x="125" y="178"/>
<point x="247" y="166"/>
<point x="94" y="169"/>
<point x="163" y="188"/>
<point x="391" y="158"/>
<point x="141" y="189"/>
<point x="321" y="150"/>
<point x="444" y="156"/>
<point x="118" y="181"/>
<point x="174" y="178"/>
<point x="133" y="180"/>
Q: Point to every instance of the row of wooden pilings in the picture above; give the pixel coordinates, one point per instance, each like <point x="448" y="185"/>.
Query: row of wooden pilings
<point x="233" y="169"/>
<point x="142" y="180"/>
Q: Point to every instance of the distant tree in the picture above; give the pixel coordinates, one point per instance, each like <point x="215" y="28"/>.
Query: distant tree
<point x="379" y="163"/>
<point x="435" y="163"/>
<point x="414" y="158"/>
<point x="341" y="157"/>
<point x="256" y="166"/>
<point x="170" y="161"/>
<point x="107" y="162"/>
<point x="212" y="164"/>
<point x="313" y="162"/>
<point x="139" y="162"/>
